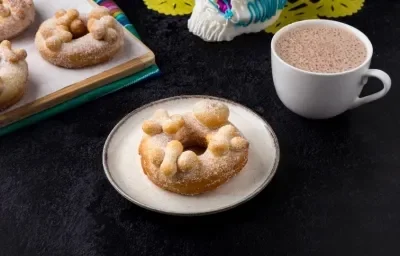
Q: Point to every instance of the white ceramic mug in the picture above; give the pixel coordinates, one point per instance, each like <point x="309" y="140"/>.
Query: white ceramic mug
<point x="324" y="95"/>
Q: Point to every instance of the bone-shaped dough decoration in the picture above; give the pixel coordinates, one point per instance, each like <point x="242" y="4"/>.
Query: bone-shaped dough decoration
<point x="212" y="114"/>
<point x="239" y="143"/>
<point x="169" y="164"/>
<point x="224" y="139"/>
<point x="11" y="55"/>
<point x="65" y="18"/>
<point x="4" y="11"/>
<point x="188" y="160"/>
<point x="162" y="122"/>
<point x="55" y="37"/>
<point x="101" y="25"/>
<point x="69" y="21"/>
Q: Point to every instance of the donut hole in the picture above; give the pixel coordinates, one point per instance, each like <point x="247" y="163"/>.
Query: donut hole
<point x="198" y="145"/>
<point x="198" y="150"/>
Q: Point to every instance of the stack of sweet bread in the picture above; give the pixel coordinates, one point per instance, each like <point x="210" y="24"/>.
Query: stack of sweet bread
<point x="69" y="39"/>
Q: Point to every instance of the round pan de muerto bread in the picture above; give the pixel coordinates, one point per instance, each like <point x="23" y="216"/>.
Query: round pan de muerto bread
<point x="72" y="40"/>
<point x="13" y="74"/>
<point x="15" y="17"/>
<point x="167" y="162"/>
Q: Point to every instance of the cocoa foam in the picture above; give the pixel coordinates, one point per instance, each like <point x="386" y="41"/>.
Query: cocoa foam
<point x="321" y="49"/>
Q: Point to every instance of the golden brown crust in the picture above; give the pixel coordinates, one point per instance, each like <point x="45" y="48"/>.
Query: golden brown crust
<point x="192" y="187"/>
<point x="168" y="165"/>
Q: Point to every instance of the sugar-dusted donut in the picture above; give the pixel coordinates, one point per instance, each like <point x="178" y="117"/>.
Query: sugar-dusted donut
<point x="168" y="164"/>
<point x="71" y="40"/>
<point x="15" y="17"/>
<point x="13" y="74"/>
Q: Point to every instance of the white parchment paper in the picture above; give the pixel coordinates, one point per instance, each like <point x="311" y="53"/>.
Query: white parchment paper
<point x="45" y="78"/>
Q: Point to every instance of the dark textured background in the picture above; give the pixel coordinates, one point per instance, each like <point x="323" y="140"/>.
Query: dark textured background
<point x="336" y="192"/>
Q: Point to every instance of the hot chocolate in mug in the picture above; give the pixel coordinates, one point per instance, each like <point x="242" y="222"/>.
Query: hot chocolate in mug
<point x="324" y="95"/>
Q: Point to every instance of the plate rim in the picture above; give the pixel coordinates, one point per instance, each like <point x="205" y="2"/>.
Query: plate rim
<point x="244" y="200"/>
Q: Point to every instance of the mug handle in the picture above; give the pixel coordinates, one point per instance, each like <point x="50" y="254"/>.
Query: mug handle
<point x="385" y="79"/>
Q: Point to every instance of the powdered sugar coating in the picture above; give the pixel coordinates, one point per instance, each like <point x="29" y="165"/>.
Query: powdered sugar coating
<point x="58" y="45"/>
<point x="13" y="74"/>
<point x="162" y="122"/>
<point x="210" y="113"/>
<point x="321" y="49"/>
<point x="188" y="161"/>
<point x="194" y="174"/>
<point x="171" y="153"/>
<point x="220" y="142"/>
<point x="15" y="17"/>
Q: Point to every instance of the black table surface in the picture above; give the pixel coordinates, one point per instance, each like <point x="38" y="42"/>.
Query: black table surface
<point x="336" y="190"/>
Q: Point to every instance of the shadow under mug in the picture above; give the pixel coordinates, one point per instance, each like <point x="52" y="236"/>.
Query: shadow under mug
<point x="324" y="95"/>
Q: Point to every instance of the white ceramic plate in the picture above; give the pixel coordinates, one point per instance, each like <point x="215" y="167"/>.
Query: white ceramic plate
<point x="123" y="168"/>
